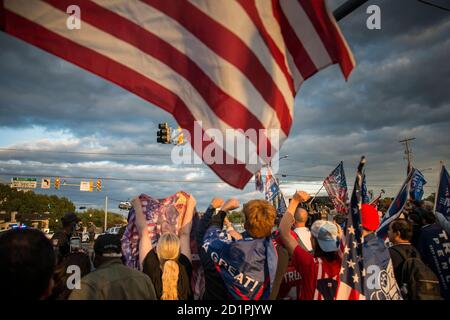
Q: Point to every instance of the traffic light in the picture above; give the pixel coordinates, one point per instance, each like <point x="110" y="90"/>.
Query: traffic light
<point x="163" y="134"/>
<point x="99" y="185"/>
<point x="57" y="183"/>
<point x="180" y="138"/>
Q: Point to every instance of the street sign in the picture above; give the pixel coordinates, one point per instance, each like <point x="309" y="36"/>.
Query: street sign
<point x="46" y="183"/>
<point x="86" y="186"/>
<point x="26" y="183"/>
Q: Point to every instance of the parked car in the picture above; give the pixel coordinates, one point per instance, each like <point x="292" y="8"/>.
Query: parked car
<point x="125" y="205"/>
<point x="113" y="230"/>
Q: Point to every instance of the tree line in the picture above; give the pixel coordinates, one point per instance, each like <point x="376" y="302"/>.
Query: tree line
<point x="30" y="202"/>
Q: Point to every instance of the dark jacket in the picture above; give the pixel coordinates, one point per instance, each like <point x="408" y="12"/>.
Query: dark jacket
<point x="408" y="251"/>
<point x="61" y="244"/>
<point x="215" y="288"/>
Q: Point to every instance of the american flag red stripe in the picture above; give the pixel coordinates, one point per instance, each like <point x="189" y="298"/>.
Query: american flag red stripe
<point x="230" y="64"/>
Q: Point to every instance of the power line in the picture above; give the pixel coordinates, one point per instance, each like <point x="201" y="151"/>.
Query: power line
<point x="89" y="153"/>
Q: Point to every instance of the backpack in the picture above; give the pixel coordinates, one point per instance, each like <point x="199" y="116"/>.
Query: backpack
<point x="418" y="281"/>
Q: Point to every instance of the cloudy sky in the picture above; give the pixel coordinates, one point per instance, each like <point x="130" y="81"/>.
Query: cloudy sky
<point x="400" y="88"/>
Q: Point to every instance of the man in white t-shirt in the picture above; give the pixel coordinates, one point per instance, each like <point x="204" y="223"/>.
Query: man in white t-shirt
<point x="301" y="217"/>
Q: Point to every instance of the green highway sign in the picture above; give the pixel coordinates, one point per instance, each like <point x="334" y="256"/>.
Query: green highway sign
<point x="26" y="183"/>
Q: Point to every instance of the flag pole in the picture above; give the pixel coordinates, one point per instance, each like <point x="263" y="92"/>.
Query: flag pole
<point x="312" y="199"/>
<point x="346" y="8"/>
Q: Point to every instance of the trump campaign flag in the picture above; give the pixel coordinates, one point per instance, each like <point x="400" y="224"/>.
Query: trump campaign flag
<point x="397" y="205"/>
<point x="417" y="183"/>
<point x="216" y="66"/>
<point x="273" y="193"/>
<point x="336" y="186"/>
<point x="442" y="204"/>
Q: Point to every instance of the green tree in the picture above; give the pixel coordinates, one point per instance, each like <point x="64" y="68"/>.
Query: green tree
<point x="29" y="202"/>
<point x="236" y="217"/>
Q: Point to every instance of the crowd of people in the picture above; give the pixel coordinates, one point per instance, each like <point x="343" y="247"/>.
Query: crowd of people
<point x="287" y="258"/>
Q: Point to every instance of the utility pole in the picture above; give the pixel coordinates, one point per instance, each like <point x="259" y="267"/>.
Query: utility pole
<point x="106" y="213"/>
<point x="408" y="152"/>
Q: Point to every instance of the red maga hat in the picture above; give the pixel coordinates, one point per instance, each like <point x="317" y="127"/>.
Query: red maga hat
<point x="369" y="217"/>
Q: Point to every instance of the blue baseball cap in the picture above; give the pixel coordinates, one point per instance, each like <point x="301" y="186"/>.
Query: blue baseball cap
<point x="326" y="234"/>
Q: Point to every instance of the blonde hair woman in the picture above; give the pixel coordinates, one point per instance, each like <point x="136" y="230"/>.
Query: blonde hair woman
<point x="168" y="251"/>
<point x="169" y="264"/>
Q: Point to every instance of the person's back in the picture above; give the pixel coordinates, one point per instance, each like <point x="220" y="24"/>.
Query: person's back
<point x="243" y="269"/>
<point x="319" y="271"/>
<point x="303" y="233"/>
<point x="399" y="253"/>
<point x="114" y="281"/>
<point x="61" y="290"/>
<point x="61" y="238"/>
<point x="376" y="256"/>
<point x="287" y="284"/>
<point x="416" y="280"/>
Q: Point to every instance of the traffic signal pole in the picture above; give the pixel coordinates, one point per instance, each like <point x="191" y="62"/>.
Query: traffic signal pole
<point x="106" y="213"/>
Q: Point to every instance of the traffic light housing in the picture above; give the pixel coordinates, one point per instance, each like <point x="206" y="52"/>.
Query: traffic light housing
<point x="57" y="183"/>
<point x="99" y="185"/>
<point x="163" y="134"/>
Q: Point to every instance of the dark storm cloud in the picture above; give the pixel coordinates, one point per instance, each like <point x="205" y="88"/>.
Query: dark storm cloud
<point x="399" y="88"/>
<point x="39" y="89"/>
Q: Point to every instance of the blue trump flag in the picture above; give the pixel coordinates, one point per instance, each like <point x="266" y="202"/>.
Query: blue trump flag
<point x="396" y="207"/>
<point x="417" y="183"/>
<point x="247" y="266"/>
<point x="273" y="193"/>
<point x="443" y="194"/>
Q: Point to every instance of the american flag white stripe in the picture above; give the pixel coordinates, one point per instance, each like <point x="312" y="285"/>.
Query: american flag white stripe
<point x="346" y="292"/>
<point x="221" y="62"/>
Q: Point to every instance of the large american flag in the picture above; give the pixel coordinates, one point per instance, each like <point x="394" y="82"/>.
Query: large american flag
<point x="352" y="270"/>
<point x="229" y="64"/>
<point x="336" y="186"/>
